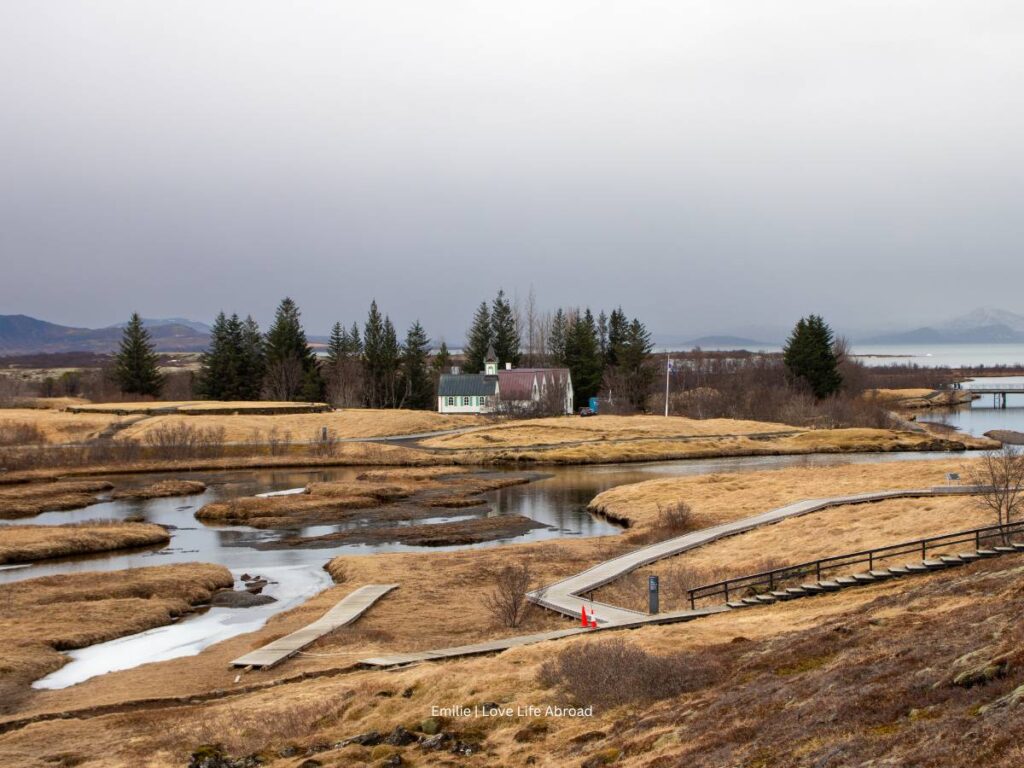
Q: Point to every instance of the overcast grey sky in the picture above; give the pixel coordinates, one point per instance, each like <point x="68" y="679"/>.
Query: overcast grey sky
<point x="709" y="165"/>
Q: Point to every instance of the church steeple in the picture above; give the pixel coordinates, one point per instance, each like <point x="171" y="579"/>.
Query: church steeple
<point x="490" y="362"/>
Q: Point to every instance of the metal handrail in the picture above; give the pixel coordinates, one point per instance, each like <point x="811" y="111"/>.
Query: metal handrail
<point x="988" y="388"/>
<point x="817" y="567"/>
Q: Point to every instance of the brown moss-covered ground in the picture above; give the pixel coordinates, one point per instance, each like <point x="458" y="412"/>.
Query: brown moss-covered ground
<point x="41" y="617"/>
<point x="27" y="543"/>
<point x="926" y="672"/>
<point x="830" y="680"/>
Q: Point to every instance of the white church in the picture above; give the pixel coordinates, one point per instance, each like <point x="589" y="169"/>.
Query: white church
<point x="505" y="389"/>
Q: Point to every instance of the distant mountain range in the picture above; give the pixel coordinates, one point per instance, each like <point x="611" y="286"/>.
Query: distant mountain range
<point x="982" y="326"/>
<point x="24" y="335"/>
<point x="727" y="342"/>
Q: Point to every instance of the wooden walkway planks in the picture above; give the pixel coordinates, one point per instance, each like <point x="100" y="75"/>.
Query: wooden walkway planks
<point x="350" y="608"/>
<point x="566" y="596"/>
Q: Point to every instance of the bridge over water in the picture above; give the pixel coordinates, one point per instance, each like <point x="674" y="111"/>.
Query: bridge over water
<point x="998" y="391"/>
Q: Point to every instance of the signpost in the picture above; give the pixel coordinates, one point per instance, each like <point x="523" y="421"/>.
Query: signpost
<point x="652" y="594"/>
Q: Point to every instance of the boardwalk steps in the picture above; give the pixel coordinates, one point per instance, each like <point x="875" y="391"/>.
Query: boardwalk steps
<point x="873" y="576"/>
<point x="793" y="593"/>
<point x="350" y="608"/>
<point x="566" y="596"/>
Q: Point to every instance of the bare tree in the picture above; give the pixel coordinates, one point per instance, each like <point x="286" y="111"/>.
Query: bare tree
<point x="531" y="329"/>
<point x="1000" y="475"/>
<point x="507" y="600"/>
<point x="284" y="379"/>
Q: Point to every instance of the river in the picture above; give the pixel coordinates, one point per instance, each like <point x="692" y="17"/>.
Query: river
<point x="983" y="415"/>
<point x="558" y="500"/>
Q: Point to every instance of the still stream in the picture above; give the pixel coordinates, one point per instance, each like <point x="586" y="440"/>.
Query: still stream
<point x="558" y="501"/>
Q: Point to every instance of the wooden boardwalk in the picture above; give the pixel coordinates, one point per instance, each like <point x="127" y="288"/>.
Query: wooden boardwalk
<point x="350" y="608"/>
<point x="567" y="595"/>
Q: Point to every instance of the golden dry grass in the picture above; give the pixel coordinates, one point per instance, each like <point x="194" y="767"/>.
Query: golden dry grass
<point x="150" y="406"/>
<point x="60" y="426"/>
<point x="920" y="398"/>
<point x="835" y="531"/>
<point x="854" y="440"/>
<point x="344" y="424"/>
<point x="40" y="617"/>
<point x="27" y="499"/>
<point x="333" y="501"/>
<point x="162" y="489"/>
<point x="328" y="710"/>
<point x="25" y="543"/>
<point x="718" y="498"/>
<point x="571" y="429"/>
<point x="420" y="615"/>
<point x="344" y="455"/>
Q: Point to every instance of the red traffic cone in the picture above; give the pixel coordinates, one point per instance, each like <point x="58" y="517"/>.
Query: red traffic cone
<point x="593" y="622"/>
<point x="583" y="617"/>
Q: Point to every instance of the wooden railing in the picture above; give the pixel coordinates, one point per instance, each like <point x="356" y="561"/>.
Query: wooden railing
<point x="769" y="580"/>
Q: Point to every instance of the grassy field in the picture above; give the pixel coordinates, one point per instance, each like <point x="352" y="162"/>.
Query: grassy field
<point x="872" y="674"/>
<point x="601" y="451"/>
<point x="56" y="426"/>
<point x="801" y="539"/>
<point x="718" y="498"/>
<point x="921" y="397"/>
<point x="25" y="543"/>
<point x="41" y="617"/>
<point x="344" y="424"/>
<point x="561" y="430"/>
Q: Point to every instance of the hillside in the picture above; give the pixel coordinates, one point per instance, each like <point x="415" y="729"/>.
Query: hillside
<point x="24" y="335"/>
<point x="980" y="326"/>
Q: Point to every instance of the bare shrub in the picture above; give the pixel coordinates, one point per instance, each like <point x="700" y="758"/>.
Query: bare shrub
<point x="183" y="441"/>
<point x="1000" y="475"/>
<point x="610" y="673"/>
<point x="277" y="441"/>
<point x="324" y="443"/>
<point x="20" y="433"/>
<point x="507" y="599"/>
<point x="676" y="517"/>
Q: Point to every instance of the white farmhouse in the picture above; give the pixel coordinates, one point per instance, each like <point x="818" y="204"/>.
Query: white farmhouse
<point x="505" y="390"/>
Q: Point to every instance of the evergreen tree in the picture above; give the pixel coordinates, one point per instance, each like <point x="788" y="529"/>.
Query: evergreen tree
<point x="417" y="384"/>
<point x="504" y="331"/>
<point x="337" y="346"/>
<point x="810" y="358"/>
<point x="583" y="357"/>
<point x="373" y="344"/>
<point x="215" y="361"/>
<point x="602" y="335"/>
<point x="135" y="367"/>
<point x="634" y="362"/>
<point x="391" y="357"/>
<point x="291" y="362"/>
<point x="479" y="339"/>
<point x="355" y="346"/>
<point x="557" y="338"/>
<point x="253" y="365"/>
<point x="618" y="331"/>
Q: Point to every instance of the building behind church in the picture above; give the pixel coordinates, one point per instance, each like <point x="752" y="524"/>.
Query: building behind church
<point x="505" y="390"/>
